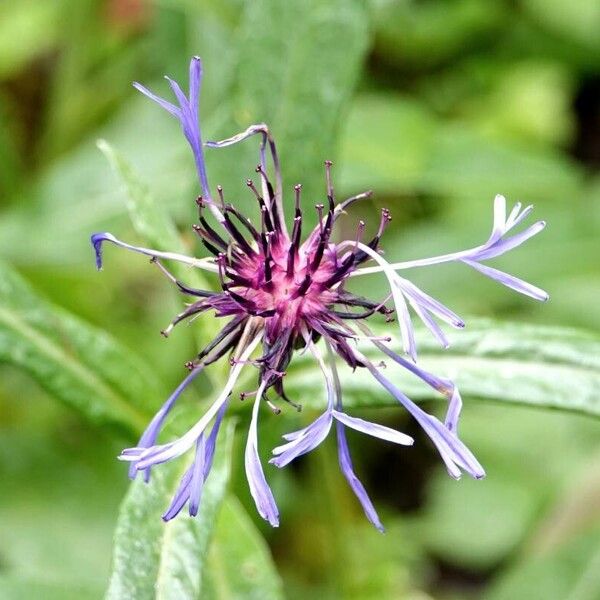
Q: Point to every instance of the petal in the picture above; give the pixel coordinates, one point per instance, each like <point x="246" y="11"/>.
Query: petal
<point x="98" y="240"/>
<point x="453" y="412"/>
<point x="509" y="281"/>
<point x="162" y="453"/>
<point x="181" y="97"/>
<point x="312" y="437"/>
<point x="452" y="450"/>
<point x="252" y="130"/>
<point x="195" y="81"/>
<point x="379" y="431"/>
<point x="499" y="226"/>
<point x="430" y="323"/>
<point x="434" y="306"/>
<point x="166" y="105"/>
<point x="151" y="432"/>
<point x="180" y="498"/>
<point x="520" y="217"/>
<point x="356" y="485"/>
<point x="259" y="488"/>
<point x="503" y="246"/>
<point x="197" y="480"/>
<point x="514" y="213"/>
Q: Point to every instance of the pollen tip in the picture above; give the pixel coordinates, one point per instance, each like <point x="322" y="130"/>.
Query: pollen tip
<point x="328" y="163"/>
<point x="249" y="182"/>
<point x="164" y="333"/>
<point x="219" y="188"/>
<point x="298" y="187"/>
<point x="189" y="365"/>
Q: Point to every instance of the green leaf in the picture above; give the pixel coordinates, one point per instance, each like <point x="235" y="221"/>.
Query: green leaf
<point x="27" y="29"/>
<point x="571" y="573"/>
<point x="23" y="589"/>
<point x="549" y="367"/>
<point x="147" y="216"/>
<point x="157" y="560"/>
<point x="79" y="364"/>
<point x="239" y="561"/>
<point x="302" y="95"/>
<point x="156" y="227"/>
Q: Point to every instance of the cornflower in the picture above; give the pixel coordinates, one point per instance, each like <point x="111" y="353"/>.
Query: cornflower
<point x="285" y="295"/>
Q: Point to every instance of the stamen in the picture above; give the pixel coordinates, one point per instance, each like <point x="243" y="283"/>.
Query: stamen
<point x="221" y="198"/>
<point x="274" y="408"/>
<point x="298" y="191"/>
<point x="272" y="205"/>
<point x="303" y="287"/>
<point x="237" y="236"/>
<point x="184" y="288"/>
<point x="330" y="196"/>
<point x="212" y="233"/>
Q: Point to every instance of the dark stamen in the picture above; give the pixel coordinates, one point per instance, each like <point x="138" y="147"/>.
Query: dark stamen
<point x="237" y="236"/>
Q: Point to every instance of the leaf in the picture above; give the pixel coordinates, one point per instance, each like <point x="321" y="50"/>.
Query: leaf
<point x="153" y="559"/>
<point x="14" y="588"/>
<point x="147" y="216"/>
<point x="239" y="561"/>
<point x="394" y="144"/>
<point x="481" y="524"/>
<point x="571" y="573"/>
<point x="302" y="94"/>
<point x="77" y="363"/>
<point x="156" y="227"/>
<point x="27" y="29"/>
<point x="549" y="367"/>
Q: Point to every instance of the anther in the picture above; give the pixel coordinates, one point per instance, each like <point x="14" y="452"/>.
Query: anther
<point x="220" y="192"/>
<point x="274" y="408"/>
<point x="189" y="365"/>
<point x="251" y="185"/>
<point x="328" y="165"/>
<point x="298" y="191"/>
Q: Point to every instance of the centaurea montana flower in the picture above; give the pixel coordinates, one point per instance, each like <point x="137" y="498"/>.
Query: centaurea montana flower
<point x="285" y="295"/>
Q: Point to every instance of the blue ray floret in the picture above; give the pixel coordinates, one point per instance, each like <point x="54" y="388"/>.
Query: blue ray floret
<point x="284" y="295"/>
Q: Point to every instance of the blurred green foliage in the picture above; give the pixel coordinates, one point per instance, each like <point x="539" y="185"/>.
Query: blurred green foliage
<point x="437" y="106"/>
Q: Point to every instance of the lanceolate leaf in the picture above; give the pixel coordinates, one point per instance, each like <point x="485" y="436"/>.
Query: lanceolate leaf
<point x="157" y="560"/>
<point x="239" y="561"/>
<point x="14" y="588"/>
<point x="156" y="227"/>
<point x="507" y="362"/>
<point x="572" y="573"/>
<point x="298" y="64"/>
<point x="80" y="365"/>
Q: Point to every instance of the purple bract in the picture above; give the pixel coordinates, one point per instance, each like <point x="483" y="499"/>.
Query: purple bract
<point x="285" y="294"/>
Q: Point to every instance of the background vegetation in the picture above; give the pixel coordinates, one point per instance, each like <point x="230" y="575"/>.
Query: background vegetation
<point x="437" y="106"/>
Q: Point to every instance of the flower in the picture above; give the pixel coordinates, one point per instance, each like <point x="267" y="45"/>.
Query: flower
<point x="285" y="295"/>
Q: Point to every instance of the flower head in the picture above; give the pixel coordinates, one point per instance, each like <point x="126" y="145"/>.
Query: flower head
<point x="285" y="292"/>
